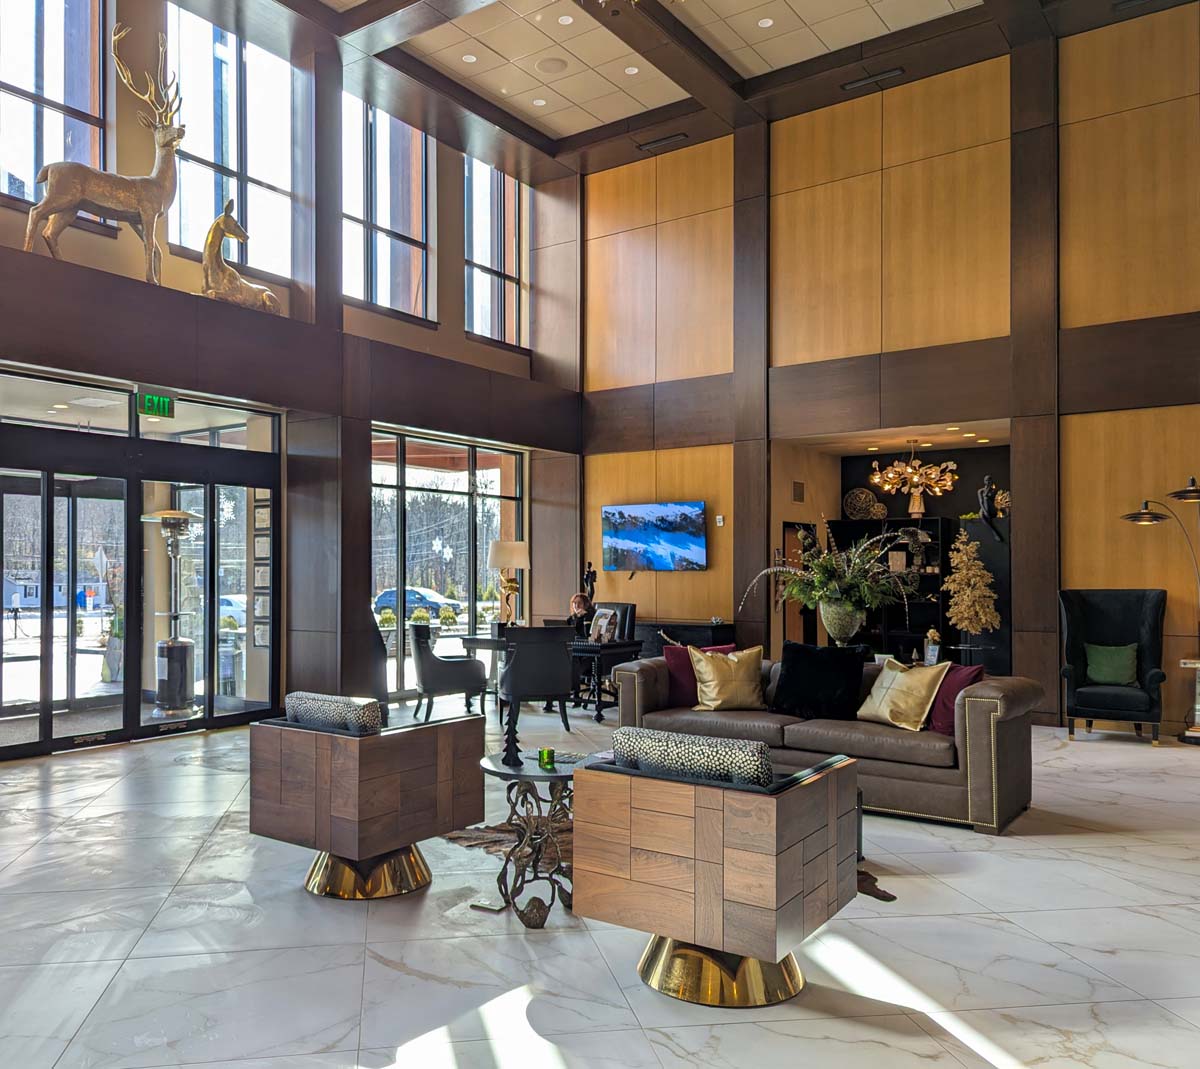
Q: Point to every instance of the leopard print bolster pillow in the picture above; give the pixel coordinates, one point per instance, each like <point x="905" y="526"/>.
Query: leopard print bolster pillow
<point x="693" y="756"/>
<point x="360" y="716"/>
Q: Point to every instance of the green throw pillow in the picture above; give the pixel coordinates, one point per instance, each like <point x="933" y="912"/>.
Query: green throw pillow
<point x="1114" y="666"/>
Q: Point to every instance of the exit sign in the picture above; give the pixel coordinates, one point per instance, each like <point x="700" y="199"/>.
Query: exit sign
<point x="156" y="404"/>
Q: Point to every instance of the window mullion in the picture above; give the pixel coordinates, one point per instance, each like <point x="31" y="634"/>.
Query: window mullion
<point x="243" y="249"/>
<point x="369" y="265"/>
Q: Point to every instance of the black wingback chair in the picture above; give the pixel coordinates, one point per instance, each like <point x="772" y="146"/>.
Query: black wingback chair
<point x="443" y="675"/>
<point x="537" y="667"/>
<point x="1114" y="618"/>
<point x="626" y="618"/>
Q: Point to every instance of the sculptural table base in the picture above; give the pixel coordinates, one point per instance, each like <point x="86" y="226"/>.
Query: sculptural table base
<point x="713" y="978"/>
<point x="536" y="856"/>
<point x="398" y="873"/>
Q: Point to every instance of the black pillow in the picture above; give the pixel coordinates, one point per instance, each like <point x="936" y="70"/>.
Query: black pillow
<point x="819" y="682"/>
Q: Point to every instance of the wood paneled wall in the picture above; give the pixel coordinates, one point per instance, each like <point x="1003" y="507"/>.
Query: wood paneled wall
<point x="703" y="473"/>
<point x="1111" y="462"/>
<point x="658" y="271"/>
<point x="890" y="219"/>
<point x="1129" y="150"/>
<point x="553" y="533"/>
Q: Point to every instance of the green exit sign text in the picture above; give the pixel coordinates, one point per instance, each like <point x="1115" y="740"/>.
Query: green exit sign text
<point x="156" y="404"/>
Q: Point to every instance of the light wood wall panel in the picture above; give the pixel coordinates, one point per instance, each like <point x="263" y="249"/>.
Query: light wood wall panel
<point x="825" y="145"/>
<point x="1130" y="214"/>
<point x="959" y="109"/>
<point x="694" y="180"/>
<point x="618" y="310"/>
<point x="618" y="479"/>
<point x="700" y="473"/>
<point x="1110" y="463"/>
<point x="826" y="262"/>
<point x="694" y="296"/>
<point x="620" y="199"/>
<point x="946" y="249"/>
<point x="1130" y="64"/>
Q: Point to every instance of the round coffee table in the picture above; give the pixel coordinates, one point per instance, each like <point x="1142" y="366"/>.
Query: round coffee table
<point x="535" y="857"/>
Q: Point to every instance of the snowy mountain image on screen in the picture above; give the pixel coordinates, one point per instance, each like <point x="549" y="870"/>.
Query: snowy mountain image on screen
<point x="664" y="537"/>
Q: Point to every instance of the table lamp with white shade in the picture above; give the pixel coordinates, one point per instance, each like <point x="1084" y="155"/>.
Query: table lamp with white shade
<point x="511" y="557"/>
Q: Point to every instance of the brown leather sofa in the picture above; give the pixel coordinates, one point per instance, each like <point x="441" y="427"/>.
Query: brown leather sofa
<point x="981" y="777"/>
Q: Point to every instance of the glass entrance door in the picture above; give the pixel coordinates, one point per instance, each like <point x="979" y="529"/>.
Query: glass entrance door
<point x="21" y="520"/>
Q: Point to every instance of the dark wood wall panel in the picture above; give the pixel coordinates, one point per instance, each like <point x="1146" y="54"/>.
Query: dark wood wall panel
<point x="752" y="538"/>
<point x="824" y="398"/>
<point x="1034" y="473"/>
<point x="618" y="421"/>
<point x="751" y="279"/>
<point x="693" y="412"/>
<point x="967" y="380"/>
<point x="1141" y="363"/>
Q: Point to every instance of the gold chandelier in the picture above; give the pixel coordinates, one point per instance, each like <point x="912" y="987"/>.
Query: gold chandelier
<point x="915" y="478"/>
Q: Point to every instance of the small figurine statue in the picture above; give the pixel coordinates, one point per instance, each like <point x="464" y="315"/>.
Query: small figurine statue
<point x="589" y="581"/>
<point x="222" y="282"/>
<point x="987" y="506"/>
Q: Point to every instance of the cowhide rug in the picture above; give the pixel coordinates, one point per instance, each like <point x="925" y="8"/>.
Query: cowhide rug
<point x="499" y="838"/>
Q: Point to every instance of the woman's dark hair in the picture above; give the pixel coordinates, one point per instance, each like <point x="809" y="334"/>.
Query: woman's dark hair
<point x="581" y="597"/>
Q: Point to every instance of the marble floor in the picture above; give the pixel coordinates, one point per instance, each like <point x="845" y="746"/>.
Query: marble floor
<point x="142" y="925"/>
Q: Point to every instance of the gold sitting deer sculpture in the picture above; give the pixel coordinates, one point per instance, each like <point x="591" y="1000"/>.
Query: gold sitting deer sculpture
<point x="140" y="202"/>
<point x="222" y="282"/>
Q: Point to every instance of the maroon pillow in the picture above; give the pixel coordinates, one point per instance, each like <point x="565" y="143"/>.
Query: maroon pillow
<point x="681" y="680"/>
<point x="956" y="680"/>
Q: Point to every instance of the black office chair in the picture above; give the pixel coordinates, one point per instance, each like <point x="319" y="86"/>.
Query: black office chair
<point x="537" y="667"/>
<point x="443" y="675"/>
<point x="1114" y="618"/>
<point x="626" y="618"/>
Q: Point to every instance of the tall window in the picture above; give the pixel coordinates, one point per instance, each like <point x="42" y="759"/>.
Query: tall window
<point x="383" y="209"/>
<point x="50" y="89"/>
<point x="436" y="507"/>
<point x="496" y="293"/>
<point x="237" y="106"/>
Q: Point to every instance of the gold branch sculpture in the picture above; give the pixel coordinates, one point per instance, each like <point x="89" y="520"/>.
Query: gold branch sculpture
<point x="141" y="202"/>
<point x="222" y="282"/>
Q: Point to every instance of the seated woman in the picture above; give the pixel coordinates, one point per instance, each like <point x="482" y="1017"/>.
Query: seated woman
<point x="582" y="612"/>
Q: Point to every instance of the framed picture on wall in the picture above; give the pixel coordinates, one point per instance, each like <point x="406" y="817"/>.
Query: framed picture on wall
<point x="262" y="576"/>
<point x="262" y="517"/>
<point x="262" y="606"/>
<point x="262" y="547"/>
<point x="262" y="634"/>
<point x="261" y="493"/>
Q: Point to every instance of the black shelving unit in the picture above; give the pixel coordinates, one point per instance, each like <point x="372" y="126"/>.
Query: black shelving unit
<point x="891" y="629"/>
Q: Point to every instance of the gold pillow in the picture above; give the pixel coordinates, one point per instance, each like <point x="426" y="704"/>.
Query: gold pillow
<point x="903" y="696"/>
<point x="728" y="680"/>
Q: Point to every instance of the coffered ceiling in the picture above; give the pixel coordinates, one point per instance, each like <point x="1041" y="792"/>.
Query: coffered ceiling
<point x="548" y="62"/>
<point x="755" y="37"/>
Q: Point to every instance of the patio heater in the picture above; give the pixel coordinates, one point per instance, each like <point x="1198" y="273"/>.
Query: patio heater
<point x="175" y="655"/>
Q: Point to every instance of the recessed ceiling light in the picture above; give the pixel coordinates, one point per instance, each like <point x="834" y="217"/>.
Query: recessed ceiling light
<point x="631" y="70"/>
<point x="926" y="445"/>
<point x="51" y="412"/>
<point x="765" y="24"/>
<point x="151" y="419"/>
<point x="565" y="20"/>
<point x="872" y="449"/>
<point x="980" y="441"/>
<point x="952" y="428"/>
<point x="539" y="103"/>
<point x="61" y="407"/>
<point x="468" y="58"/>
<point x="968" y="434"/>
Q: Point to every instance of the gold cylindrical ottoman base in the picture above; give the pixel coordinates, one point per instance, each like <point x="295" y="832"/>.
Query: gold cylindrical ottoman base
<point x="397" y="873"/>
<point x="712" y="978"/>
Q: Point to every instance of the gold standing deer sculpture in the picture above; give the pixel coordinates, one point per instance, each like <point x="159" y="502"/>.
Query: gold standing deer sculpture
<point x="141" y="202"/>
<point x="222" y="282"/>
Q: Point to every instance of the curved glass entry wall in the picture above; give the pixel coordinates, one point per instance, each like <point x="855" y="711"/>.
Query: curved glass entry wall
<point x="110" y="630"/>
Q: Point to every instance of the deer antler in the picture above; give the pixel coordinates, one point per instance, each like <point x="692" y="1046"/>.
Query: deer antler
<point x="161" y="94"/>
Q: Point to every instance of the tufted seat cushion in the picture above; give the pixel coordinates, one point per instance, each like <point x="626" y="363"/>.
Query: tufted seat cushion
<point x="862" y="738"/>
<point x="1112" y="699"/>
<point x="755" y="725"/>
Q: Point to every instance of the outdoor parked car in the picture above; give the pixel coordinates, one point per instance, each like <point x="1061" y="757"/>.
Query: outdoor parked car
<point x="416" y="597"/>
<point x="233" y="605"/>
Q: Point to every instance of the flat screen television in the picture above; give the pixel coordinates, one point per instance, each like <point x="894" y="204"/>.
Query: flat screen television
<point x="669" y="536"/>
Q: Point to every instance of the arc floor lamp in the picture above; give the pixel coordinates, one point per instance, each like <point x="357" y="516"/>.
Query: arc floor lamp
<point x="1147" y="516"/>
